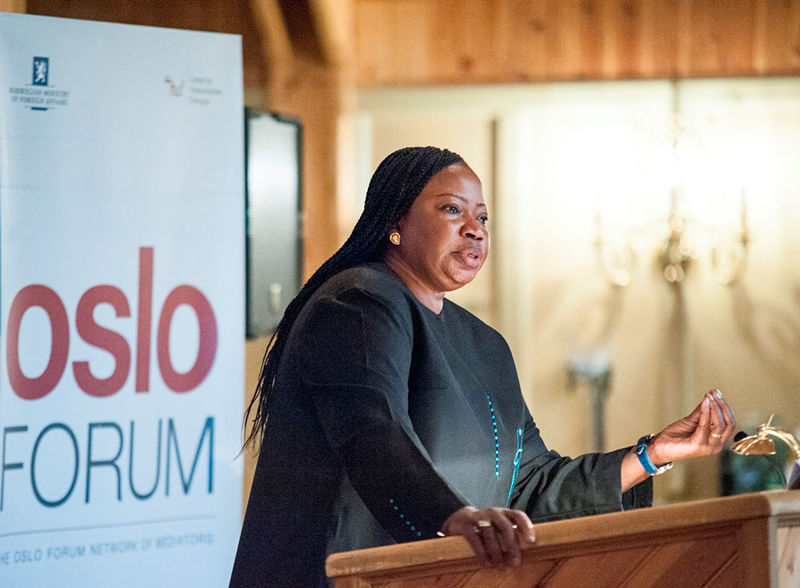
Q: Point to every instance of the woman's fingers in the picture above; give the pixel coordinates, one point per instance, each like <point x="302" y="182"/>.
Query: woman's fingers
<point x="730" y="418"/>
<point x="496" y="549"/>
<point x="512" y="528"/>
<point x="723" y="422"/>
<point x="524" y="526"/>
<point x="506" y="529"/>
<point x="715" y="416"/>
<point x="476" y="542"/>
<point x="716" y="396"/>
<point x="706" y="431"/>
<point x="495" y="534"/>
<point x="704" y="424"/>
<point x="464" y="522"/>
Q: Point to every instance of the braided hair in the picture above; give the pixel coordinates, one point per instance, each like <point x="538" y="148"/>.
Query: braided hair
<point x="394" y="186"/>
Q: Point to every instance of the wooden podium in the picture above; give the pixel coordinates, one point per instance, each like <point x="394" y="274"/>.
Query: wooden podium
<point x="750" y="540"/>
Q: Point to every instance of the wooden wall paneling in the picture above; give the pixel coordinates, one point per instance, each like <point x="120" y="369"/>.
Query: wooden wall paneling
<point x="413" y="42"/>
<point x="735" y="51"/>
<point x="13" y="6"/>
<point x="592" y="30"/>
<point x="541" y="40"/>
<point x="777" y="37"/>
<point x="660" y="22"/>
<point x="464" y="40"/>
<point x="536" y="40"/>
<point x="562" y="52"/>
<point x="720" y="37"/>
<point x="626" y="41"/>
<point x="418" y="42"/>
<point x="369" y="28"/>
<point x="523" y="39"/>
<point x="395" y="39"/>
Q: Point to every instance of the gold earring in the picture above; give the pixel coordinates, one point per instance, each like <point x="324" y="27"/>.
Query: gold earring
<point x="394" y="237"/>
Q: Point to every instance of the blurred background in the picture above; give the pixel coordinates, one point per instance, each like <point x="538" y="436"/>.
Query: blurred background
<point x="640" y="159"/>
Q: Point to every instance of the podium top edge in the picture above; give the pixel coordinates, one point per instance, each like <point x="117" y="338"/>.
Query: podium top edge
<point x="709" y="513"/>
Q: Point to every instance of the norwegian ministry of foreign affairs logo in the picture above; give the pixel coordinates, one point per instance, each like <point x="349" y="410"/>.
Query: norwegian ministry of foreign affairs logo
<point x="41" y="70"/>
<point x="39" y="95"/>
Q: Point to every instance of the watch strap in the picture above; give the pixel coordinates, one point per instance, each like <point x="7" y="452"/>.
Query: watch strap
<point x="647" y="463"/>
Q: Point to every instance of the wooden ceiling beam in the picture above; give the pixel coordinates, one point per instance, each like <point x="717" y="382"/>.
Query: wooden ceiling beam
<point x="316" y="31"/>
<point x="335" y="29"/>
<point x="275" y="44"/>
<point x="302" y="29"/>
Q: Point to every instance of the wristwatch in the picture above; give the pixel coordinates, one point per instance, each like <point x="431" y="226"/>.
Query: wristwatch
<point x="644" y="459"/>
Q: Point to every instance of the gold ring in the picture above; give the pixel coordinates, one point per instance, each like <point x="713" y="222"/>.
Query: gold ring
<point x="483" y="524"/>
<point x="716" y="435"/>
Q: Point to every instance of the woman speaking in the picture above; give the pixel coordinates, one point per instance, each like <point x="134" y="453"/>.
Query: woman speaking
<point x="386" y="413"/>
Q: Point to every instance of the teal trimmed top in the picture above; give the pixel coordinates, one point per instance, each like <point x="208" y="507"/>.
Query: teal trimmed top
<point x="385" y="419"/>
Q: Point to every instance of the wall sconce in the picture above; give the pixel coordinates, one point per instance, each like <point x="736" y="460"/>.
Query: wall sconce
<point x="677" y="251"/>
<point x="594" y="368"/>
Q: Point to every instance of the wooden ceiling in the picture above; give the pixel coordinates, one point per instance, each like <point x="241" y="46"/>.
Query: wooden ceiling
<point x="428" y="42"/>
<point x="422" y="42"/>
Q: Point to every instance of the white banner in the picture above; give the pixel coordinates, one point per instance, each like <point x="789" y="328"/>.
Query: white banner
<point x="122" y="301"/>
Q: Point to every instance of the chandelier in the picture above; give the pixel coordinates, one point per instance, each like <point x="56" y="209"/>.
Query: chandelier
<point x="674" y="243"/>
<point x="678" y="240"/>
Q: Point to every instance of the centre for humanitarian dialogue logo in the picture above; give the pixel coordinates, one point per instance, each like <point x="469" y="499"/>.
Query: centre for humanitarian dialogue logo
<point x="41" y="67"/>
<point x="174" y="89"/>
<point x="202" y="89"/>
<point x="39" y="94"/>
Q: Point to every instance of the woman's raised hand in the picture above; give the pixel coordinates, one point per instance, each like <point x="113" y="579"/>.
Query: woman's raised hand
<point x="496" y="535"/>
<point x="703" y="432"/>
